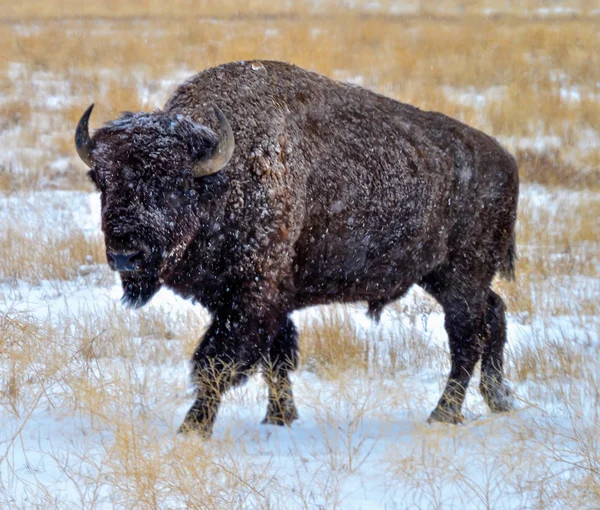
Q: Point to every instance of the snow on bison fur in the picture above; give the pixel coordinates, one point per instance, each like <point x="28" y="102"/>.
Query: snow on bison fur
<point x="262" y="188"/>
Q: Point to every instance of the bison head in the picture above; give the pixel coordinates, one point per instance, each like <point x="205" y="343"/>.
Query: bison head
<point x="152" y="171"/>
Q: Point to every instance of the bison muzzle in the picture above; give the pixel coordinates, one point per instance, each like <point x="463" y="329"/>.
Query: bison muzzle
<point x="262" y="188"/>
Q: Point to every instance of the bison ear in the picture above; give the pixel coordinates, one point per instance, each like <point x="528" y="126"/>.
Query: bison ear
<point x="220" y="155"/>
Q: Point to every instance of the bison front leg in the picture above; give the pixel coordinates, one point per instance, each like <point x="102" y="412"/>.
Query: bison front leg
<point x="229" y="351"/>
<point x="283" y="358"/>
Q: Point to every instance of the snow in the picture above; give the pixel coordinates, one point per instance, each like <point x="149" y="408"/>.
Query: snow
<point x="361" y="441"/>
<point x="470" y="96"/>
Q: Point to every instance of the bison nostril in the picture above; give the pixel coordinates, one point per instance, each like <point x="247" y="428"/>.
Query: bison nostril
<point x="124" y="261"/>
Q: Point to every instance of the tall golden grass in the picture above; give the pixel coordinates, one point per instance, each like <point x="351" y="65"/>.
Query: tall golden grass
<point x="537" y="78"/>
<point x="260" y="8"/>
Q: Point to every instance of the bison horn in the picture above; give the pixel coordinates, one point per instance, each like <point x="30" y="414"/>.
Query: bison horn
<point x="82" y="138"/>
<point x="216" y="159"/>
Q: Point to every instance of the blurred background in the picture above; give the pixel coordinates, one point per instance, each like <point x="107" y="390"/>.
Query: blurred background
<point x="527" y="71"/>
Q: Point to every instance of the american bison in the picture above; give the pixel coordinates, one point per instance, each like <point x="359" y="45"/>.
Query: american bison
<point x="262" y="188"/>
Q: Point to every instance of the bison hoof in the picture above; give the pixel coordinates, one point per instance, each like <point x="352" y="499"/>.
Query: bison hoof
<point x="195" y="427"/>
<point x="442" y="415"/>
<point x="499" y="397"/>
<point x="280" y="418"/>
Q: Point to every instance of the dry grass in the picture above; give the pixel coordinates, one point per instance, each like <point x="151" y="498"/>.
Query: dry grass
<point x="538" y="78"/>
<point x="49" y="255"/>
<point x="548" y="168"/>
<point x="36" y="9"/>
<point x="333" y="344"/>
<point x="533" y="464"/>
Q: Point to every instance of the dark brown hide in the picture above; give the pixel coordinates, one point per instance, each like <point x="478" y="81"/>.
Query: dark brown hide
<point x="333" y="194"/>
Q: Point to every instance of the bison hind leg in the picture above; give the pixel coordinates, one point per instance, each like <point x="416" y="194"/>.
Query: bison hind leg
<point x="464" y="308"/>
<point x="494" y="389"/>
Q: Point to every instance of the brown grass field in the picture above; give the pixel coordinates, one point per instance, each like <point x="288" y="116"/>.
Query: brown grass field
<point x="526" y="72"/>
<point x="539" y="78"/>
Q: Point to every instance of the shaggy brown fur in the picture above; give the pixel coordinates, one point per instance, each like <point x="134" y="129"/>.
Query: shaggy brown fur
<point x="333" y="194"/>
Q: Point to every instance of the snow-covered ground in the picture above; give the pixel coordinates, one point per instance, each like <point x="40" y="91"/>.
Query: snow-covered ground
<point x="92" y="395"/>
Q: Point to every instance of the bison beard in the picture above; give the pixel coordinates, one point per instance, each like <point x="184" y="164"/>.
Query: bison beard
<point x="138" y="289"/>
<point x="305" y="191"/>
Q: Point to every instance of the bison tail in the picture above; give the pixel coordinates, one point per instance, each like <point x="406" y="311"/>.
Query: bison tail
<point x="507" y="265"/>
